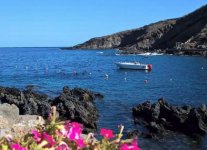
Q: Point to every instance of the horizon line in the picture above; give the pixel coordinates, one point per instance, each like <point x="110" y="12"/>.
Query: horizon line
<point x="34" y="46"/>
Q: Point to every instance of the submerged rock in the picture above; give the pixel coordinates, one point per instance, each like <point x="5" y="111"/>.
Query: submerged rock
<point x="73" y="104"/>
<point x="161" y="116"/>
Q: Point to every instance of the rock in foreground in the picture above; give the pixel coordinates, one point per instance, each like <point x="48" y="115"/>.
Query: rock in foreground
<point x="162" y="116"/>
<point x="28" y="102"/>
<point x="75" y="105"/>
<point x="13" y="123"/>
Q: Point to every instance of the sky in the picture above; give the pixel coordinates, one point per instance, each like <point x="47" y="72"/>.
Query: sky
<point x="59" y="23"/>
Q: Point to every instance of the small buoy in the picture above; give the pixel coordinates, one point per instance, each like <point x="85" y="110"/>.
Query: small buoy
<point x="202" y="68"/>
<point x="170" y="79"/>
<point x="90" y="73"/>
<point x="125" y="78"/>
<point x="106" y="75"/>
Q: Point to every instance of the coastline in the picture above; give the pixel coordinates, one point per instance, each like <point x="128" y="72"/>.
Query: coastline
<point x="26" y="106"/>
<point x="177" y="52"/>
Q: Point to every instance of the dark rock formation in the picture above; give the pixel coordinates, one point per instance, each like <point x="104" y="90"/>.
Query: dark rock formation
<point x="197" y="52"/>
<point x="161" y="116"/>
<point x="27" y="101"/>
<point x="75" y="105"/>
<point x="185" y="33"/>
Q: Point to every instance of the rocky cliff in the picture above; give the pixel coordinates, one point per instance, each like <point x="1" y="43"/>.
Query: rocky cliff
<point x="132" y="39"/>
<point x="189" y="32"/>
<point x="185" y="33"/>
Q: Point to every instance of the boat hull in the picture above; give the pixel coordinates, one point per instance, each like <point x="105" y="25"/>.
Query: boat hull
<point x="150" y="54"/>
<point x="135" y="66"/>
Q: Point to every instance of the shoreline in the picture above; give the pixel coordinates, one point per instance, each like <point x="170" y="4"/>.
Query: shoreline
<point x="71" y="102"/>
<point x="178" y="52"/>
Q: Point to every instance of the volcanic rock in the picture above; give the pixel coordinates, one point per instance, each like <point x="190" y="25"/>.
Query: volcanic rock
<point x="72" y="104"/>
<point x="161" y="116"/>
<point x="77" y="105"/>
<point x="27" y="101"/>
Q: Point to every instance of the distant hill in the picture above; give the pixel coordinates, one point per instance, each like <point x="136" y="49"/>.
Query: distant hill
<point x="186" y="33"/>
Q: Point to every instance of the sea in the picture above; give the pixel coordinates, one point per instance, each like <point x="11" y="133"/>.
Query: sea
<point x="179" y="79"/>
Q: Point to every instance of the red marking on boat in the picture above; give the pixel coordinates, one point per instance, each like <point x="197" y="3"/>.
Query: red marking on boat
<point x="150" y="66"/>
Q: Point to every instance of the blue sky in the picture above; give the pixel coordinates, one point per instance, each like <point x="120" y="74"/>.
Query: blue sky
<point x="31" y="23"/>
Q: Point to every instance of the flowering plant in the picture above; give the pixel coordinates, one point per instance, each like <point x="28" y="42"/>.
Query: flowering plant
<point x="66" y="136"/>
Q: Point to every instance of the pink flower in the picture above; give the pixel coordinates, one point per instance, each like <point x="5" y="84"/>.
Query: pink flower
<point x="49" y="139"/>
<point x="124" y="147"/>
<point x="80" y="143"/>
<point x="73" y="132"/>
<point x="17" y="147"/>
<point x="133" y="146"/>
<point x="107" y="133"/>
<point x="37" y="136"/>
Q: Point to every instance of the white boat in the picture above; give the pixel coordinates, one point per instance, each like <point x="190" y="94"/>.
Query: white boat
<point x="144" y="54"/>
<point x="156" y="54"/>
<point x="99" y="52"/>
<point x="134" y="65"/>
<point x="150" y="54"/>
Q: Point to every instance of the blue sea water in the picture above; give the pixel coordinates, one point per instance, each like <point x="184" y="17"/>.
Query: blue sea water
<point x="179" y="79"/>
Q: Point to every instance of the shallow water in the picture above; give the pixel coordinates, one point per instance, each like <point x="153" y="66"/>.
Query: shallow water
<point x="179" y="79"/>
